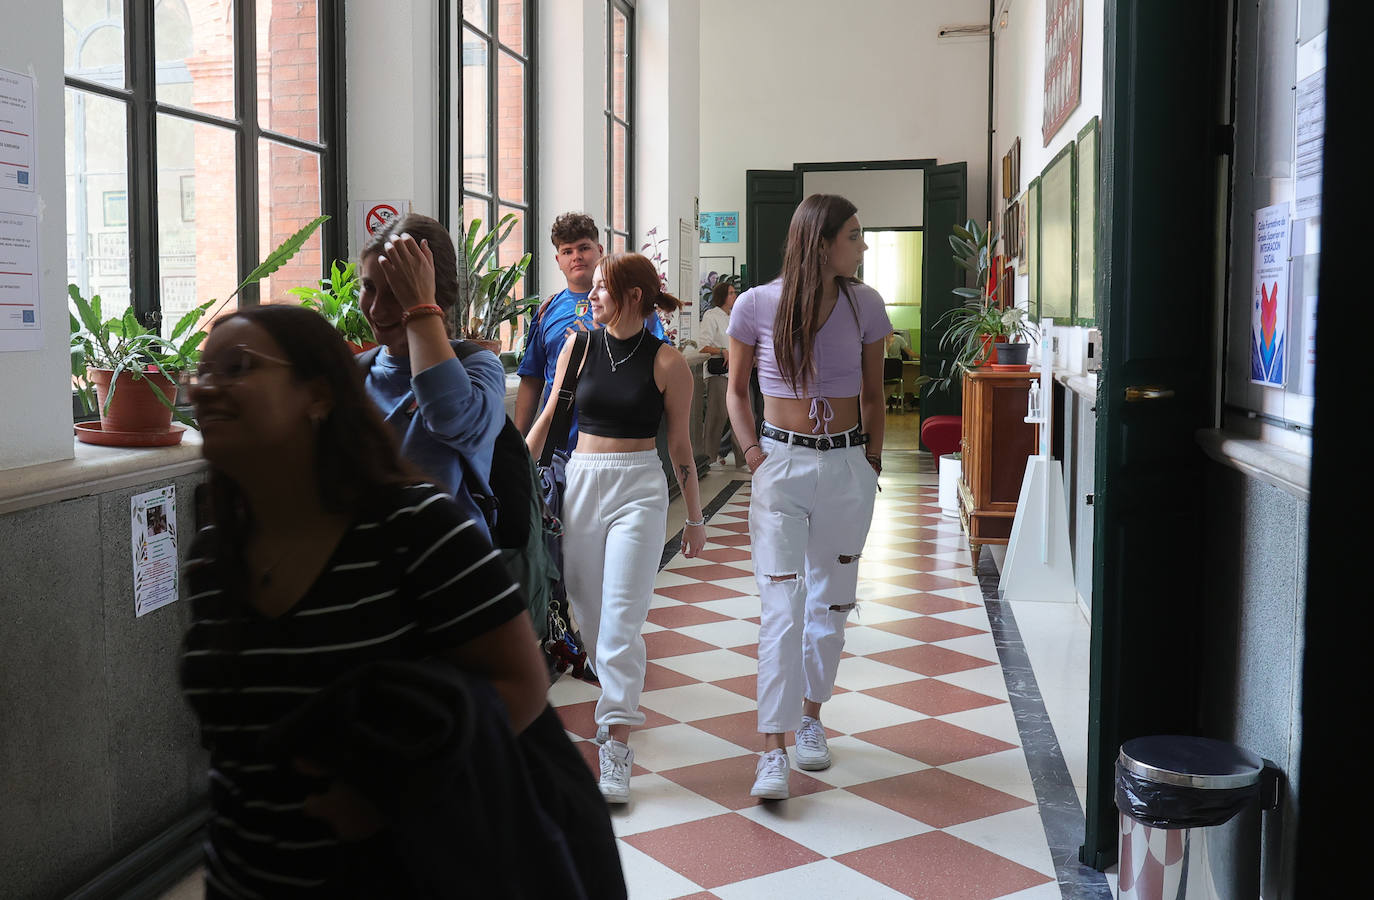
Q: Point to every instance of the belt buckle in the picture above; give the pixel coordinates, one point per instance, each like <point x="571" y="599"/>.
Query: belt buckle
<point x="824" y="443"/>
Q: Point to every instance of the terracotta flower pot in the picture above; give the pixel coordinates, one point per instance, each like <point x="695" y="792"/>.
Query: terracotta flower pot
<point x="989" y="352"/>
<point x="135" y="409"/>
<point x="493" y="346"/>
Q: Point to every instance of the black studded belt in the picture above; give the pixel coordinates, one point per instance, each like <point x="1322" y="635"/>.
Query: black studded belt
<point x="852" y="438"/>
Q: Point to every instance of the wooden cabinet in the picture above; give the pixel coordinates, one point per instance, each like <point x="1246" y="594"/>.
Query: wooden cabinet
<point x="996" y="444"/>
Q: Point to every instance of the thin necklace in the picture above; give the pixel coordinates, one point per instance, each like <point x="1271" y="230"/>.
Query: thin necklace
<point x="607" y="342"/>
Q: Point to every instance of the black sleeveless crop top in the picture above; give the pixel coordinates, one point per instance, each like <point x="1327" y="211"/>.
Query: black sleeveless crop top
<point x="626" y="402"/>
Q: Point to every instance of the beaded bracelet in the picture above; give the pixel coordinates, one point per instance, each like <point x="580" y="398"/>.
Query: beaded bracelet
<point x="423" y="309"/>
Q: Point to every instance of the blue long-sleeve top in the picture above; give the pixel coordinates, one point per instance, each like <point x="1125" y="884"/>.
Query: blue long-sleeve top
<point x="446" y="418"/>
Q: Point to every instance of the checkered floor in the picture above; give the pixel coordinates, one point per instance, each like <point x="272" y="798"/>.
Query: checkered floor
<point x="929" y="795"/>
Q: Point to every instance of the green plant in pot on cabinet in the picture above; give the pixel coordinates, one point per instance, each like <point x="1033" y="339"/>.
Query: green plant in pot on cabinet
<point x="974" y="329"/>
<point x="130" y="373"/>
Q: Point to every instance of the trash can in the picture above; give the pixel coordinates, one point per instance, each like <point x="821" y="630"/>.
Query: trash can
<point x="1190" y="818"/>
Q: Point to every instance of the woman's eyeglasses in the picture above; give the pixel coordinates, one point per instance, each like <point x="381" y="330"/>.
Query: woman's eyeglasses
<point x="232" y="366"/>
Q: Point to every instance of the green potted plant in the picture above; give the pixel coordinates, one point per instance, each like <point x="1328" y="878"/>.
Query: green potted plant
<point x="485" y="288"/>
<point x="337" y="300"/>
<point x="973" y="328"/>
<point x="129" y="372"/>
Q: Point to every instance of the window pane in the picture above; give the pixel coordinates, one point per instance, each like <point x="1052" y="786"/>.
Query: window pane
<point x="619" y="62"/>
<point x="475" y="14"/>
<point x="289" y="67"/>
<point x="93" y="40"/>
<point x="620" y="209"/>
<point x="619" y="243"/>
<point x="97" y="199"/>
<point x="289" y="190"/>
<point x="513" y="247"/>
<point x="475" y="164"/>
<point x="197" y="215"/>
<point x="510" y="128"/>
<point x="510" y="22"/>
<point x="474" y="208"/>
<point x="195" y="58"/>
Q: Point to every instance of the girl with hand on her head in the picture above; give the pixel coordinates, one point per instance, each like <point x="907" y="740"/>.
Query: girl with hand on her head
<point x="817" y="336"/>
<point x="616" y="500"/>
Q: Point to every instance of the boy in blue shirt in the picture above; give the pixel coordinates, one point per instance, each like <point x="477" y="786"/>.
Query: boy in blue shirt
<point x="575" y="238"/>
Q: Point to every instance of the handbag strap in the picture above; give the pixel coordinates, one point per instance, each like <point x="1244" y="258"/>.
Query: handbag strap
<point x="567" y="392"/>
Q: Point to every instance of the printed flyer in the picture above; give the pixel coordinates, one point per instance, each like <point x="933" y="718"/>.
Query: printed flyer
<point x="153" y="533"/>
<point x="1269" y="305"/>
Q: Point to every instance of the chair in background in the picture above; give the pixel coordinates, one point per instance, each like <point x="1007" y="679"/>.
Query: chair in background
<point x="892" y="383"/>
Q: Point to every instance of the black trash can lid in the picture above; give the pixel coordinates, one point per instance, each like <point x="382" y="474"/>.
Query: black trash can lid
<point x="1191" y="762"/>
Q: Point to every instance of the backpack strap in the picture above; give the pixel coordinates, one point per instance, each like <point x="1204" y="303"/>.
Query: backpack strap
<point x="567" y="393"/>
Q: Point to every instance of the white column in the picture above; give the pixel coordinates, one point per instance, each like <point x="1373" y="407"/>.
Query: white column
<point x="572" y="99"/>
<point x="36" y="404"/>
<point x="667" y="129"/>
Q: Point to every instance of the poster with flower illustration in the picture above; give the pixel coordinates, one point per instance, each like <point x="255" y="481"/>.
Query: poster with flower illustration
<point x="1269" y="305"/>
<point x="153" y="534"/>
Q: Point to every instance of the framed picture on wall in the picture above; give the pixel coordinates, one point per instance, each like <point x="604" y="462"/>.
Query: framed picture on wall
<point x="1011" y="171"/>
<point x="1032" y="261"/>
<point x="1085" y="309"/>
<point x="1011" y="229"/>
<point x="115" y="208"/>
<point x="1057" y="279"/>
<point x="1063" y="63"/>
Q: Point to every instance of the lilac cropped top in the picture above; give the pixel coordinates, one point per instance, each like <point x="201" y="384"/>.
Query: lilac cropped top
<point x="838" y="344"/>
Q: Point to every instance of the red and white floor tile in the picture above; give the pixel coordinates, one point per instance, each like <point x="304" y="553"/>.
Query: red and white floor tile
<point x="929" y="795"/>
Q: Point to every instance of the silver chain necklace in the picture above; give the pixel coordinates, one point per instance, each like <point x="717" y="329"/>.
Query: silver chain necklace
<point x="607" y="342"/>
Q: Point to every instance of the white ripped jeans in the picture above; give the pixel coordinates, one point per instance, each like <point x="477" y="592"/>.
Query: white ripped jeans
<point x="808" y="519"/>
<point x="615" y="514"/>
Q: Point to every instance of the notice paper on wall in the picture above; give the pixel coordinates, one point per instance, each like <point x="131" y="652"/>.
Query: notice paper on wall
<point x="1310" y="125"/>
<point x="153" y="532"/>
<point x="16" y="131"/>
<point x="21" y="316"/>
<point x="1269" y="304"/>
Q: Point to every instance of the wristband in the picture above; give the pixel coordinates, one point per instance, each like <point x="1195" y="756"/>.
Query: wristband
<point x="875" y="461"/>
<point x="423" y="309"/>
<point x="701" y="521"/>
<point x="750" y="447"/>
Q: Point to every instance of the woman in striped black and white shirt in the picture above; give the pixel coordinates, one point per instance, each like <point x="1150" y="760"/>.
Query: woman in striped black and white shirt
<point x="325" y="554"/>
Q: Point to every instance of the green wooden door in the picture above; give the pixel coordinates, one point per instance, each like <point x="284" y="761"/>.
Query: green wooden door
<point x="1159" y="187"/>
<point x="946" y="205"/>
<point x="770" y="198"/>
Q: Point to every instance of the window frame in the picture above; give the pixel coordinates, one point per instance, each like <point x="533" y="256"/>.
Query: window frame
<point x="142" y="108"/>
<point x="452" y="24"/>
<point x="611" y="230"/>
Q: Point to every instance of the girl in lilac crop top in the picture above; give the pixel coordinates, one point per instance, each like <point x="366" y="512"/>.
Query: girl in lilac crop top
<point x="858" y="319"/>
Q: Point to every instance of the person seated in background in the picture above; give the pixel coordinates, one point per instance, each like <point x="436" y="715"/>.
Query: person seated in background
<point x="897" y="347"/>
<point x="446" y="408"/>
<point x="578" y="251"/>
<point x="715" y="343"/>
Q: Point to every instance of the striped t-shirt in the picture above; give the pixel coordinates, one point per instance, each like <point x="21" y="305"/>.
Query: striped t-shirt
<point x="409" y="579"/>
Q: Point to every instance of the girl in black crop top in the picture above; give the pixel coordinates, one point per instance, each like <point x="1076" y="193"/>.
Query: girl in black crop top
<point x="616" y="499"/>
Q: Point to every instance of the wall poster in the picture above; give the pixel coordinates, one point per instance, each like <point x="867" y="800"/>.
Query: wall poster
<point x="1269" y="303"/>
<point x="1063" y="63"/>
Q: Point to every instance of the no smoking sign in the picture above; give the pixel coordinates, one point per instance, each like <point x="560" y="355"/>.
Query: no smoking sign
<point x="375" y="217"/>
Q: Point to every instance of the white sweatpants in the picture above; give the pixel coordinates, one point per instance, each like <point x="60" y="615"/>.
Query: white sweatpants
<point x="615" y="515"/>
<point x="808" y="519"/>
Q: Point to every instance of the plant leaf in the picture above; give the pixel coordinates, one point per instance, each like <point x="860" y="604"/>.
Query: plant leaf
<point x="282" y="255"/>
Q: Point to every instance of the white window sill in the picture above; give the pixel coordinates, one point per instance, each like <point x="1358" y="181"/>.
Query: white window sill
<point x="1284" y="469"/>
<point x="97" y="470"/>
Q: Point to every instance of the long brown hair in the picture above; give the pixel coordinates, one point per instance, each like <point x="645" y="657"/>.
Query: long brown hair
<point x="623" y="272"/>
<point x="817" y="219"/>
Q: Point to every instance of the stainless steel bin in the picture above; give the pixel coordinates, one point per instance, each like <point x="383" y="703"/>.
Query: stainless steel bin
<point x="1190" y="818"/>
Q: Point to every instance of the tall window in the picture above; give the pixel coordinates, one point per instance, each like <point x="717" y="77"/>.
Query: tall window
<point x="200" y="134"/>
<point x="619" y="123"/>
<point x="496" y="110"/>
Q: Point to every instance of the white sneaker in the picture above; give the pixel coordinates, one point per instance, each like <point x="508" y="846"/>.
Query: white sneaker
<point x="770" y="782"/>
<point x="813" y="753"/>
<point x="616" y="760"/>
